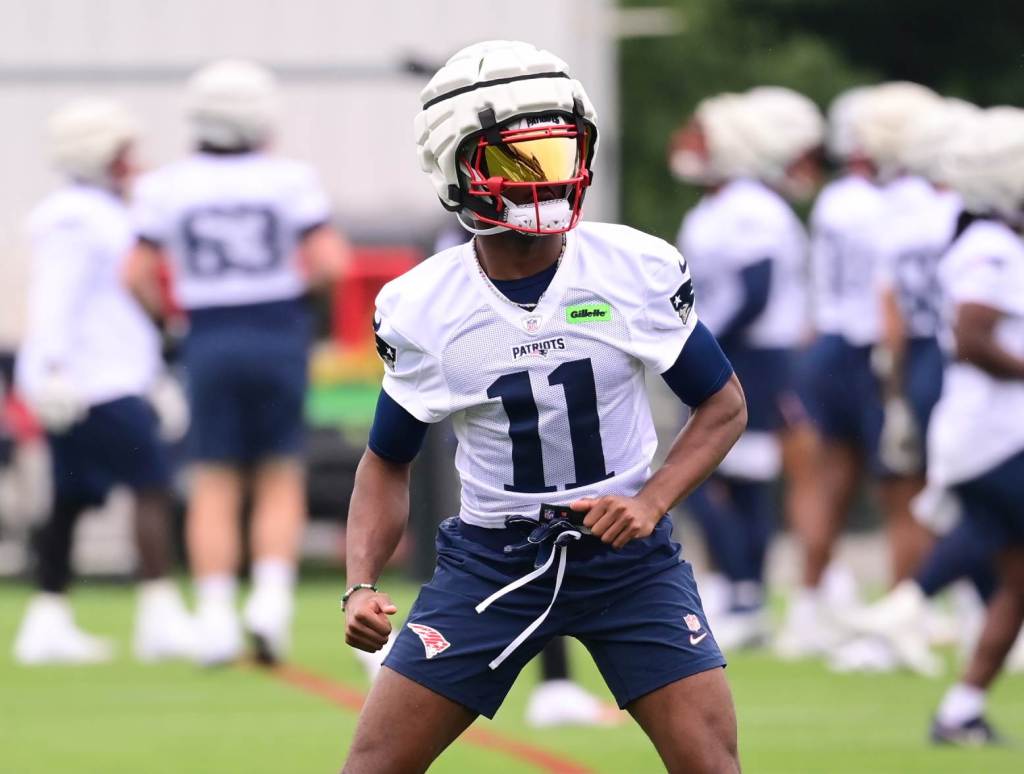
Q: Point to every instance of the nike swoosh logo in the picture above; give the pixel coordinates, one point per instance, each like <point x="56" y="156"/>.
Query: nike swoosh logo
<point x="695" y="640"/>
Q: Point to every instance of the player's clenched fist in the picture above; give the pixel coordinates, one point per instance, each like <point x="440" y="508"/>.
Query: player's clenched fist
<point x="616" y="519"/>
<point x="367" y="626"/>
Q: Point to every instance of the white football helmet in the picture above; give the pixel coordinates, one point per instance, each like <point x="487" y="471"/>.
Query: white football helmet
<point x="232" y="104"/>
<point x="881" y="122"/>
<point x="930" y="135"/>
<point x="784" y="126"/>
<point x="508" y="138"/>
<point x="986" y="163"/>
<point x="841" y="141"/>
<point x="86" y="136"/>
<point x="757" y="134"/>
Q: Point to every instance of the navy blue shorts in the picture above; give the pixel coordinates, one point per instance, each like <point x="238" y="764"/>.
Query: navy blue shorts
<point x="993" y="503"/>
<point x="767" y="377"/>
<point x="923" y="379"/>
<point x="636" y="610"/>
<point x="842" y="394"/>
<point x="117" y="442"/>
<point x="247" y="370"/>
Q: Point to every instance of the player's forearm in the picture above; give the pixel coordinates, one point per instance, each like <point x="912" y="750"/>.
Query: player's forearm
<point x="891" y="353"/>
<point x="713" y="428"/>
<point x="377" y="516"/>
<point x="975" y="334"/>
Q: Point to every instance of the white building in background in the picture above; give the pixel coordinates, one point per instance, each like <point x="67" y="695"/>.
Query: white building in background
<point x="349" y="94"/>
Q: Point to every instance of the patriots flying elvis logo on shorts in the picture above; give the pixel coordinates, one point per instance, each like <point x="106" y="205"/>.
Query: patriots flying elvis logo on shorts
<point x="433" y="641"/>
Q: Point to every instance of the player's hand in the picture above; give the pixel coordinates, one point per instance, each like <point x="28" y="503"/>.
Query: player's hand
<point x="616" y="519"/>
<point x="367" y="626"/>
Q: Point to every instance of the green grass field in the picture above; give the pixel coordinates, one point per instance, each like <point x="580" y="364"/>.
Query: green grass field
<point x="127" y="717"/>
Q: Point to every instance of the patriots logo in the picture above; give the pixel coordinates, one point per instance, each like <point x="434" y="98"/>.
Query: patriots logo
<point x="433" y="641"/>
<point x="387" y="353"/>
<point x="682" y="300"/>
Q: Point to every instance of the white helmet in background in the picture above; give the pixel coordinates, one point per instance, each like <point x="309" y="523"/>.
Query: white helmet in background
<point x="232" y="104"/>
<point x="758" y="134"/>
<point x="931" y="134"/>
<point x="880" y="123"/>
<point x="87" y="135"/>
<point x="986" y="163"/>
<point x="786" y="125"/>
<point x="841" y="141"/>
<point x="504" y="117"/>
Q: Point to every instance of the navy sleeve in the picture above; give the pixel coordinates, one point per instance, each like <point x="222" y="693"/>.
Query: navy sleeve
<point x="396" y="435"/>
<point x="756" y="280"/>
<point x="701" y="369"/>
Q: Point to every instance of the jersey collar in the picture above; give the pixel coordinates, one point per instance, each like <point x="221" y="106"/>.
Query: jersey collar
<point x="535" y="321"/>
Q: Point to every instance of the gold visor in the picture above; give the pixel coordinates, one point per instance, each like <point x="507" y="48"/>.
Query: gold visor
<point x="548" y="159"/>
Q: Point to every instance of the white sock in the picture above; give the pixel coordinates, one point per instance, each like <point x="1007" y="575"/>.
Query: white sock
<point x="273" y="574"/>
<point x="960" y="704"/>
<point x="216" y="589"/>
<point x="747" y="595"/>
<point x="803" y="608"/>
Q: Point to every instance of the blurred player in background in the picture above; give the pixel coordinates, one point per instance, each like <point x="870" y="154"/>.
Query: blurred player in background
<point x="89" y="357"/>
<point x="982" y="404"/>
<point x="535" y="337"/>
<point x="246" y="235"/>
<point x="748" y="253"/>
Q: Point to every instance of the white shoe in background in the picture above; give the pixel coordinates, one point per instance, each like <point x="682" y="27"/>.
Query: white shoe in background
<point x="808" y="631"/>
<point x="899" y="620"/>
<point x="219" y="634"/>
<point x="864" y="654"/>
<point x="48" y="635"/>
<point x="372" y="662"/>
<point x="741" y="631"/>
<point x="164" y="629"/>
<point x="268" y="621"/>
<point x="564" y="703"/>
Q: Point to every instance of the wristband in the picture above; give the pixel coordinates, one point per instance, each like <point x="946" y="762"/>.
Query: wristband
<point x="353" y="589"/>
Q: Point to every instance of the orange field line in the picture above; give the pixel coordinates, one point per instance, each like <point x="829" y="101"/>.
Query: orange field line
<point x="349" y="698"/>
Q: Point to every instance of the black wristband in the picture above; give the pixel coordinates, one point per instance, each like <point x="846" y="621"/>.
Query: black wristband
<point x="353" y="589"/>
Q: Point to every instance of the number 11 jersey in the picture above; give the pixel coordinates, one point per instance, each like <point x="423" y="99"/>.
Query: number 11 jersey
<point x="548" y="405"/>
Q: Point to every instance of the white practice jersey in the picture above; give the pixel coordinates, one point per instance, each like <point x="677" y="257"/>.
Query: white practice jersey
<point x="845" y="222"/>
<point x="548" y="405"/>
<point x="979" y="420"/>
<point x="742" y="224"/>
<point x="921" y="224"/>
<point x="81" y="318"/>
<point x="231" y="224"/>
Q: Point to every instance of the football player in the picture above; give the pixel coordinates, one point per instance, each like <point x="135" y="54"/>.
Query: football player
<point x="246" y="235"/>
<point x="89" y="358"/>
<point x="747" y="251"/>
<point x="982" y="403"/>
<point x="535" y="337"/>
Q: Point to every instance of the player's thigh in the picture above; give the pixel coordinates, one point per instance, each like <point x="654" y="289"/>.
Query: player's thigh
<point x="403" y="727"/>
<point x="692" y="723"/>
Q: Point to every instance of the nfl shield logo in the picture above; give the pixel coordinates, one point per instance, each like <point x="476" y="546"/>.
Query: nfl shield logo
<point x="433" y="641"/>
<point x="692" y="622"/>
<point x="531" y="323"/>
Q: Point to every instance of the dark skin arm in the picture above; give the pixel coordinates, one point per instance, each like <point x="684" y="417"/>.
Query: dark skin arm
<point x="713" y="428"/>
<point x="974" y="331"/>
<point x="377" y="515"/>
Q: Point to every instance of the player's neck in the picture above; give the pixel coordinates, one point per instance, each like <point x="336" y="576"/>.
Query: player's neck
<point x="511" y="255"/>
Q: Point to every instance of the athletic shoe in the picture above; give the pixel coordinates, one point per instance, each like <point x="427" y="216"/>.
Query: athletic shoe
<point x="219" y="633"/>
<point x="865" y="655"/>
<point x="372" y="662"/>
<point x="899" y="619"/>
<point x="563" y="703"/>
<point x="268" y="620"/>
<point x="741" y="631"/>
<point x="974" y="733"/>
<point x="49" y="635"/>
<point x="164" y="630"/>
<point x="808" y="631"/>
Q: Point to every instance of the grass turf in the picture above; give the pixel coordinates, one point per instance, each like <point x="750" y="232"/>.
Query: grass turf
<point x="127" y="717"/>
